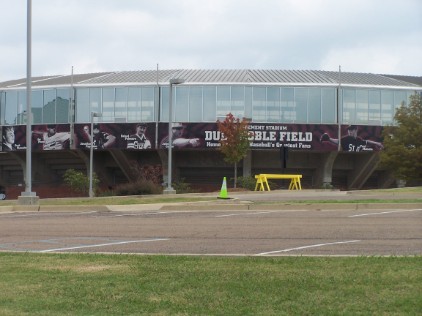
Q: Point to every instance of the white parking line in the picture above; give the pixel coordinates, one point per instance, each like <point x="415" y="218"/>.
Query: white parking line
<point x="243" y="214"/>
<point x="306" y="247"/>
<point x="103" y="245"/>
<point x="171" y="212"/>
<point x="382" y="213"/>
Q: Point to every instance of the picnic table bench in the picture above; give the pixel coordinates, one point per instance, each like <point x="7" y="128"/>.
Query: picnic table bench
<point x="262" y="180"/>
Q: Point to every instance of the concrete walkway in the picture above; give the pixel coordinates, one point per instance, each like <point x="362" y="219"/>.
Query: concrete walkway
<point x="250" y="200"/>
<point x="309" y="199"/>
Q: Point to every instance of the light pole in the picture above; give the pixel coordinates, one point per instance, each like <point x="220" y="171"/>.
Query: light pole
<point x="28" y="197"/>
<point x="169" y="189"/>
<point x="91" y="152"/>
<point x="339" y="107"/>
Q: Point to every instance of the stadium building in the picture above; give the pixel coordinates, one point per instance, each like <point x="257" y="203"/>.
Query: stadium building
<point x="324" y="125"/>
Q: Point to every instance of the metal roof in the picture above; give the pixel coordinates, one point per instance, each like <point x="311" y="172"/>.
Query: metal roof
<point x="411" y="79"/>
<point x="221" y="76"/>
<point x="52" y="80"/>
<point x="353" y="78"/>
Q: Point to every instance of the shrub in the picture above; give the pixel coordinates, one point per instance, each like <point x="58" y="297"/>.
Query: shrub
<point x="182" y="187"/>
<point x="148" y="181"/>
<point x="153" y="173"/>
<point x="139" y="187"/>
<point x="79" y="182"/>
<point x="247" y="182"/>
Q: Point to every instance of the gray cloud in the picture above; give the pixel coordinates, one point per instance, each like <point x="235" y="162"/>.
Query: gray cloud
<point x="380" y="36"/>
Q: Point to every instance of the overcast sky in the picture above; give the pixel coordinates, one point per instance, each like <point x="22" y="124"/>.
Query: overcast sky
<point x="377" y="36"/>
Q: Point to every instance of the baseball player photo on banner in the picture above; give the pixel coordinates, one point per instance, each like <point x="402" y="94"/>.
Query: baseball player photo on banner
<point x="137" y="137"/>
<point x="103" y="138"/>
<point x="356" y="138"/>
<point x="130" y="136"/>
<point x="13" y="138"/>
<point x="51" y="137"/>
<point x="182" y="136"/>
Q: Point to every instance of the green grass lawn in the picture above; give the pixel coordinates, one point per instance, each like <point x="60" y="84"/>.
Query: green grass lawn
<point x="399" y="194"/>
<point x="93" y="284"/>
<point x="117" y="200"/>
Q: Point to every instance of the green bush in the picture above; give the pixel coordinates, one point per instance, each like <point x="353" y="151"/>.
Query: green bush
<point x="182" y="187"/>
<point x="153" y="173"/>
<point x="79" y="182"/>
<point x="139" y="187"/>
<point x="246" y="182"/>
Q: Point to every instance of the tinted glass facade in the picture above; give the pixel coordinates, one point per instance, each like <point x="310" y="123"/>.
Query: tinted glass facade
<point x="206" y="103"/>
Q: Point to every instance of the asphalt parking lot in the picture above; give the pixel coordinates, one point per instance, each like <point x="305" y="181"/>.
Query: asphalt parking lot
<point x="388" y="231"/>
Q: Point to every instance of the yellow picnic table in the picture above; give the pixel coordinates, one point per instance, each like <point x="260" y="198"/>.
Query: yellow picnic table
<point x="262" y="180"/>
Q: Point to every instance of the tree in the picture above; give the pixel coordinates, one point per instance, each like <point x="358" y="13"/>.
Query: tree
<point x="234" y="142"/>
<point x="403" y="143"/>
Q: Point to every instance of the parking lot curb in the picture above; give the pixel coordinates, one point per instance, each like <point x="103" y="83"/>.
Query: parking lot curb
<point x="289" y="206"/>
<point x="203" y="206"/>
<point x="52" y="208"/>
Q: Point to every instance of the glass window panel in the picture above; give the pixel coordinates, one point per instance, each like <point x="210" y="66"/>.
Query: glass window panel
<point x="210" y="104"/>
<point x="259" y="110"/>
<point x="288" y="111"/>
<point x="400" y="98"/>
<point x="339" y="104"/>
<point x="21" y="118"/>
<point x="11" y="108"/>
<point x="301" y="100"/>
<point x="49" y="109"/>
<point x="223" y="101"/>
<point x="195" y="104"/>
<point x="409" y="94"/>
<point x="387" y="106"/>
<point x="120" y="105"/>
<point x="238" y="101"/>
<point x="108" y="105"/>
<point x="156" y="103"/>
<point x="273" y="104"/>
<point x="181" y="105"/>
<point x="82" y="105"/>
<point x="37" y="106"/>
<point x="374" y="111"/>
<point x="362" y="106"/>
<point x="165" y="104"/>
<point x="314" y="105"/>
<point x="2" y="106"/>
<point x="94" y="101"/>
<point x="349" y="106"/>
<point x="62" y="106"/>
<point x="328" y="105"/>
<point x="134" y="104"/>
<point x="147" y="106"/>
<point x="248" y="102"/>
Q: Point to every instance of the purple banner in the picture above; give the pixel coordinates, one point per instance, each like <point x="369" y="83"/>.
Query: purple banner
<point x="141" y="136"/>
<point x="185" y="135"/>
<point x="51" y="137"/>
<point x="136" y="136"/>
<point x="263" y="136"/>
<point x="13" y="138"/>
<point x="272" y="136"/>
<point x="356" y="138"/>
